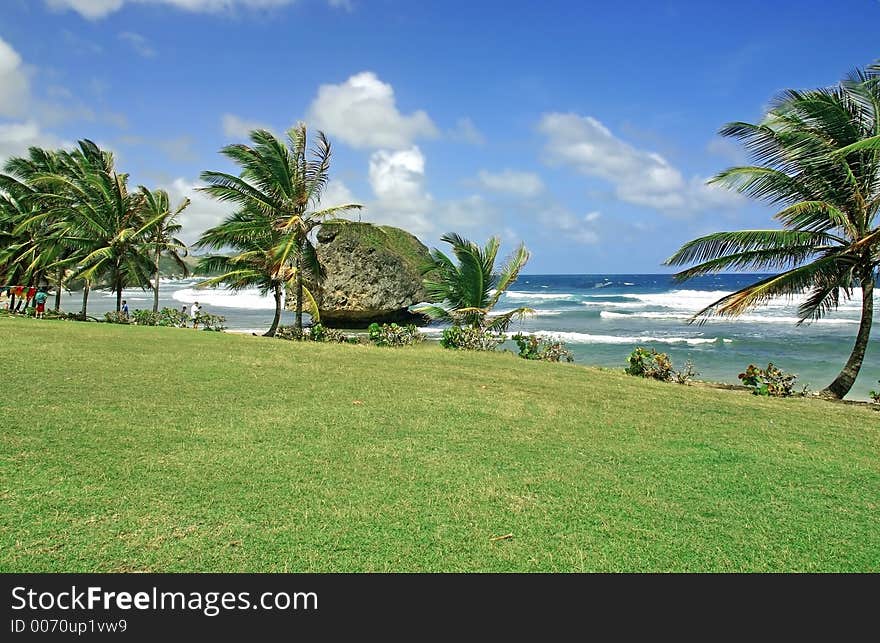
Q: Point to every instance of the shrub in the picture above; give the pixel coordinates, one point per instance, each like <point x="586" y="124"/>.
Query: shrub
<point x="471" y="339"/>
<point x="288" y="332"/>
<point x="394" y="335"/>
<point x="770" y="381"/>
<point x="145" y="317"/>
<point x="533" y="347"/>
<point x="650" y="364"/>
<point x="210" y="322"/>
<point x="687" y="374"/>
<point x="172" y="317"/>
<point x="114" y="317"/>
<point x="875" y="395"/>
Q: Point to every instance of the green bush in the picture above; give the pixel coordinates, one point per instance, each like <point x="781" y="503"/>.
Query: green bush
<point x="319" y="333"/>
<point x="172" y="317"/>
<point x="114" y="317"/>
<point x="770" y="381"/>
<point x="394" y="335"/>
<point x="875" y="395"/>
<point x="210" y="322"/>
<point x="145" y="317"/>
<point x="649" y="363"/>
<point x="468" y="338"/>
<point x="534" y="347"/>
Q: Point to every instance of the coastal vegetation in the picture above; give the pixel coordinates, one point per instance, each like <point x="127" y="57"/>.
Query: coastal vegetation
<point x="816" y="154"/>
<point x="277" y="191"/>
<point x="409" y="460"/>
<point x="68" y="215"/>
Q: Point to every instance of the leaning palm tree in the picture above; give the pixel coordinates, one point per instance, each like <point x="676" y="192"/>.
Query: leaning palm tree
<point x="36" y="245"/>
<point x="469" y="291"/>
<point x="282" y="183"/>
<point x="816" y="155"/>
<point x="106" y="227"/>
<point x="161" y="226"/>
<point x="258" y="258"/>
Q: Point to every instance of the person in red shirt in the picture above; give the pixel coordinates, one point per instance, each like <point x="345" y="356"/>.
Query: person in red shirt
<point x="31" y="293"/>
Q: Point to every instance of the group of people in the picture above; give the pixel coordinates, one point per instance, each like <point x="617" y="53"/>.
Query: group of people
<point x="15" y="299"/>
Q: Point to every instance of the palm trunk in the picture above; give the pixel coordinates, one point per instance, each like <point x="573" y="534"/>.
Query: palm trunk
<point x="156" y="282"/>
<point x="58" y="290"/>
<point x="274" y="326"/>
<point x="85" y="299"/>
<point x="847" y="377"/>
<point x="298" y="321"/>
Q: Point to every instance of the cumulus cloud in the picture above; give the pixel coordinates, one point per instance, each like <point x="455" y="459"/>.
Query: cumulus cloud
<point x="202" y="213"/>
<point x="398" y="182"/>
<point x="239" y="128"/>
<point x="466" y="132"/>
<point x="337" y="193"/>
<point x="523" y="184"/>
<point x="14" y="85"/>
<point x="638" y="176"/>
<point x="17" y="138"/>
<point x="139" y="43"/>
<point x="362" y="112"/>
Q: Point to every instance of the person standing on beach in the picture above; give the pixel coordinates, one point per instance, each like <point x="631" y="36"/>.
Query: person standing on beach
<point x="194" y="314"/>
<point x="40" y="301"/>
<point x="125" y="309"/>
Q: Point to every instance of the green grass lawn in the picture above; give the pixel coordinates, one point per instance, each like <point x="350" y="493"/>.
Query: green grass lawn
<point x="153" y="449"/>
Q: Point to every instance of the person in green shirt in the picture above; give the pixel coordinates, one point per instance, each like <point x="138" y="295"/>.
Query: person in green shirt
<point x="40" y="300"/>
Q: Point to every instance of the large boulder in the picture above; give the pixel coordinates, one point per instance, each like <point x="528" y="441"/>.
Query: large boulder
<point x="372" y="274"/>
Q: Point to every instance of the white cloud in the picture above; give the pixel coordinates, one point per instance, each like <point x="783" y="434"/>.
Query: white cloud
<point x="14" y="84"/>
<point x="466" y="132"/>
<point x="203" y="213"/>
<point x="581" y="230"/>
<point x="336" y="193"/>
<point x="470" y="212"/>
<point x="97" y="9"/>
<point x="638" y="176"/>
<point x="363" y="113"/>
<point x="524" y="184"/>
<point x="398" y="182"/>
<point x="239" y="128"/>
<point x="16" y="138"/>
<point x="140" y="44"/>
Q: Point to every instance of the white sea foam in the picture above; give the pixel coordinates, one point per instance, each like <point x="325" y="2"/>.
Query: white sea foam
<point x="759" y="319"/>
<point x="249" y="298"/>
<point x="587" y="338"/>
<point x="527" y="296"/>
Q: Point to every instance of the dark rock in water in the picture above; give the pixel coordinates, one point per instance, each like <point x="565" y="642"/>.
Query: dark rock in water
<point x="372" y="275"/>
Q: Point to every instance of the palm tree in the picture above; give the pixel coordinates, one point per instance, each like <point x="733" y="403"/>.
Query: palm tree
<point x="279" y="181"/>
<point x="106" y="230"/>
<point x="816" y="155"/>
<point x="35" y="245"/>
<point x="161" y="225"/>
<point x="258" y="260"/>
<point x="470" y="290"/>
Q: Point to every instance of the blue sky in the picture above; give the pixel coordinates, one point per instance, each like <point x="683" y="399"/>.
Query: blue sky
<point x="584" y="129"/>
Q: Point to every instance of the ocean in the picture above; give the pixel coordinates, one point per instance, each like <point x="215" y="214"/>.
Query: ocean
<point x="602" y="318"/>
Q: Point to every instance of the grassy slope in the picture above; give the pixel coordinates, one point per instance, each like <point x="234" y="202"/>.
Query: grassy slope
<point x="169" y="450"/>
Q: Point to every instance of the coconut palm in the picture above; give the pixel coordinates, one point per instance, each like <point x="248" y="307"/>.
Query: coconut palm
<point x="161" y="226"/>
<point x="816" y="156"/>
<point x="281" y="182"/>
<point x="34" y="247"/>
<point x="469" y="291"/>
<point x="258" y="258"/>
